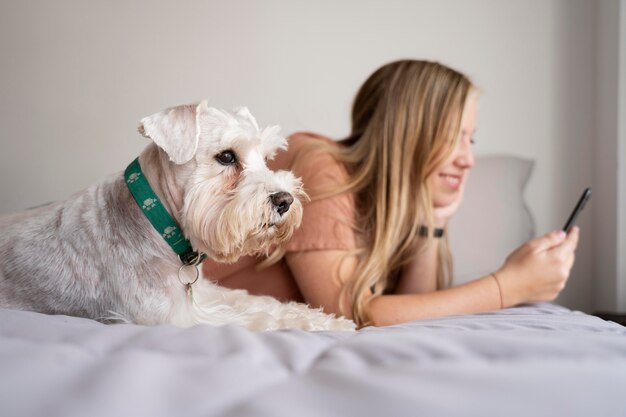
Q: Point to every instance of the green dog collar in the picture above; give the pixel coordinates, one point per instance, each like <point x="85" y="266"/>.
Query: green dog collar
<point x="158" y="216"/>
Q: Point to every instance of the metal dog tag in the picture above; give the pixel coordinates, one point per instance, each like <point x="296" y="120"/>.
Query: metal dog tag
<point x="188" y="285"/>
<point x="190" y="292"/>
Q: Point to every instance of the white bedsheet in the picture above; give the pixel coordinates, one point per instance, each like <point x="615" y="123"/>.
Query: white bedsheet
<point x="535" y="360"/>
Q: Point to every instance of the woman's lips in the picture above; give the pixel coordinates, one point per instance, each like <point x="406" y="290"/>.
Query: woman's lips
<point x="453" y="181"/>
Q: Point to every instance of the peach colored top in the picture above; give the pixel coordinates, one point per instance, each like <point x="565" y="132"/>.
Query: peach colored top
<point x="325" y="226"/>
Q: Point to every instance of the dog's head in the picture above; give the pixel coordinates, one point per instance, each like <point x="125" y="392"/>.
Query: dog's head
<point x="234" y="204"/>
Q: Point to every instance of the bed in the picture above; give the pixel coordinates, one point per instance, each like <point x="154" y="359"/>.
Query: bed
<point x="531" y="360"/>
<point x="534" y="360"/>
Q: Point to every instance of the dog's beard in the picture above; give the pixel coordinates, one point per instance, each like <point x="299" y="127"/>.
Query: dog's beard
<point x="240" y="222"/>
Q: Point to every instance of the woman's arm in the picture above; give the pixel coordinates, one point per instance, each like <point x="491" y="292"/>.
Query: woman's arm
<point x="319" y="275"/>
<point x="473" y="297"/>
<point x="420" y="275"/>
<point x="536" y="271"/>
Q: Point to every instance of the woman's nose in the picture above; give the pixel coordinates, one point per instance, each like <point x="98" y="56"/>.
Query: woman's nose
<point x="465" y="156"/>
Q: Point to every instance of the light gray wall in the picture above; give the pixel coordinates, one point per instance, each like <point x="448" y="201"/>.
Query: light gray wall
<point x="606" y="155"/>
<point x="621" y="188"/>
<point x="610" y="159"/>
<point x="77" y="75"/>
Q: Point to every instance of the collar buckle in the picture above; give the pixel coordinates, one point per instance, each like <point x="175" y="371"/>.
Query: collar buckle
<point x="192" y="258"/>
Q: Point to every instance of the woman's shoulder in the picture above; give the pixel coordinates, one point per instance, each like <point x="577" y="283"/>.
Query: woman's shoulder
<point x="310" y="149"/>
<point x="300" y="141"/>
<point x="306" y="136"/>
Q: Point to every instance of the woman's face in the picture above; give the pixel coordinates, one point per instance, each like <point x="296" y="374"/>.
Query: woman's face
<point x="448" y="181"/>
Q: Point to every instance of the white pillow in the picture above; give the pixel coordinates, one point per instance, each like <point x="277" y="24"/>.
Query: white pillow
<point x="493" y="219"/>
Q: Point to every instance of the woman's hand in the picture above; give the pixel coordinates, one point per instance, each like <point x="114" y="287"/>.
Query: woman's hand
<point x="442" y="214"/>
<point x="538" y="270"/>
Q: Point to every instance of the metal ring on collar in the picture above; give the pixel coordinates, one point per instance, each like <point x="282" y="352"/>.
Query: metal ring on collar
<point x="180" y="270"/>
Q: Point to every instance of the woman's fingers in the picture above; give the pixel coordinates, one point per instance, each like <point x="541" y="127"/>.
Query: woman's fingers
<point x="569" y="263"/>
<point x="569" y="244"/>
<point x="547" y="241"/>
<point x="539" y="269"/>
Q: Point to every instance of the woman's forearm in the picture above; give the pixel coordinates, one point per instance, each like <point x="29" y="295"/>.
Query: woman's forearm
<point x="420" y="275"/>
<point x="476" y="296"/>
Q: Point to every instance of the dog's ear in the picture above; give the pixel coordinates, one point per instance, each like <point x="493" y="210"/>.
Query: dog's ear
<point x="174" y="130"/>
<point x="243" y="112"/>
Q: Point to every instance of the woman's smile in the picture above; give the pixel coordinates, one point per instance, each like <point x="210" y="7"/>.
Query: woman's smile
<point x="453" y="181"/>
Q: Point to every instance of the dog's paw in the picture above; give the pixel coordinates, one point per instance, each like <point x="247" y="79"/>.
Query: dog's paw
<point x="328" y="322"/>
<point x="341" y="324"/>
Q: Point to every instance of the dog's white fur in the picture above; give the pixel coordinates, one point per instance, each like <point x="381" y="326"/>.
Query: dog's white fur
<point x="96" y="255"/>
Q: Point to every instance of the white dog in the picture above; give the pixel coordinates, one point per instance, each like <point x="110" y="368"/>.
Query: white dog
<point x="129" y="248"/>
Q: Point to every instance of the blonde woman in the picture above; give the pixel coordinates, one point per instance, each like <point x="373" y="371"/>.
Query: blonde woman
<point x="373" y="242"/>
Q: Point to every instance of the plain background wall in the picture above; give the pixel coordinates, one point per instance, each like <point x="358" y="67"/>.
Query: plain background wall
<point x="609" y="230"/>
<point x="76" y="76"/>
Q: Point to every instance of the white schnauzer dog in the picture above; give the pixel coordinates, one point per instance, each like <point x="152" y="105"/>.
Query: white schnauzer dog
<point x="128" y="249"/>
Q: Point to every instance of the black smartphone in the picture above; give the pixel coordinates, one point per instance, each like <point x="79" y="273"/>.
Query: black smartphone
<point x="579" y="207"/>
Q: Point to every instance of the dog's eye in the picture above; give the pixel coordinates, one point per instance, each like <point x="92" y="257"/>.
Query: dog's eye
<point x="226" y="158"/>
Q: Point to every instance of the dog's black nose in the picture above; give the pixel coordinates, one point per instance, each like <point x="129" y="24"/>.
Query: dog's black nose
<point x="281" y="201"/>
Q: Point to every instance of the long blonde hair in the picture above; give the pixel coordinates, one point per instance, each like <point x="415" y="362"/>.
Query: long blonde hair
<point x="405" y="121"/>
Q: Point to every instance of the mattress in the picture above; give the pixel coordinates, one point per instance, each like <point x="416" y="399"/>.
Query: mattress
<point x="532" y="360"/>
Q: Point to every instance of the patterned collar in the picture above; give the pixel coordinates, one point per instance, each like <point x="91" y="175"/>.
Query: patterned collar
<point x="158" y="216"/>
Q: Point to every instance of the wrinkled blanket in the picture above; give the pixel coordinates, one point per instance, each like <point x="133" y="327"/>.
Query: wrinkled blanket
<point x="534" y="360"/>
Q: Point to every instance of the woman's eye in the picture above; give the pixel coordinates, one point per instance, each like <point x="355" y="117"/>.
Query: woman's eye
<point x="226" y="158"/>
<point x="472" y="141"/>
